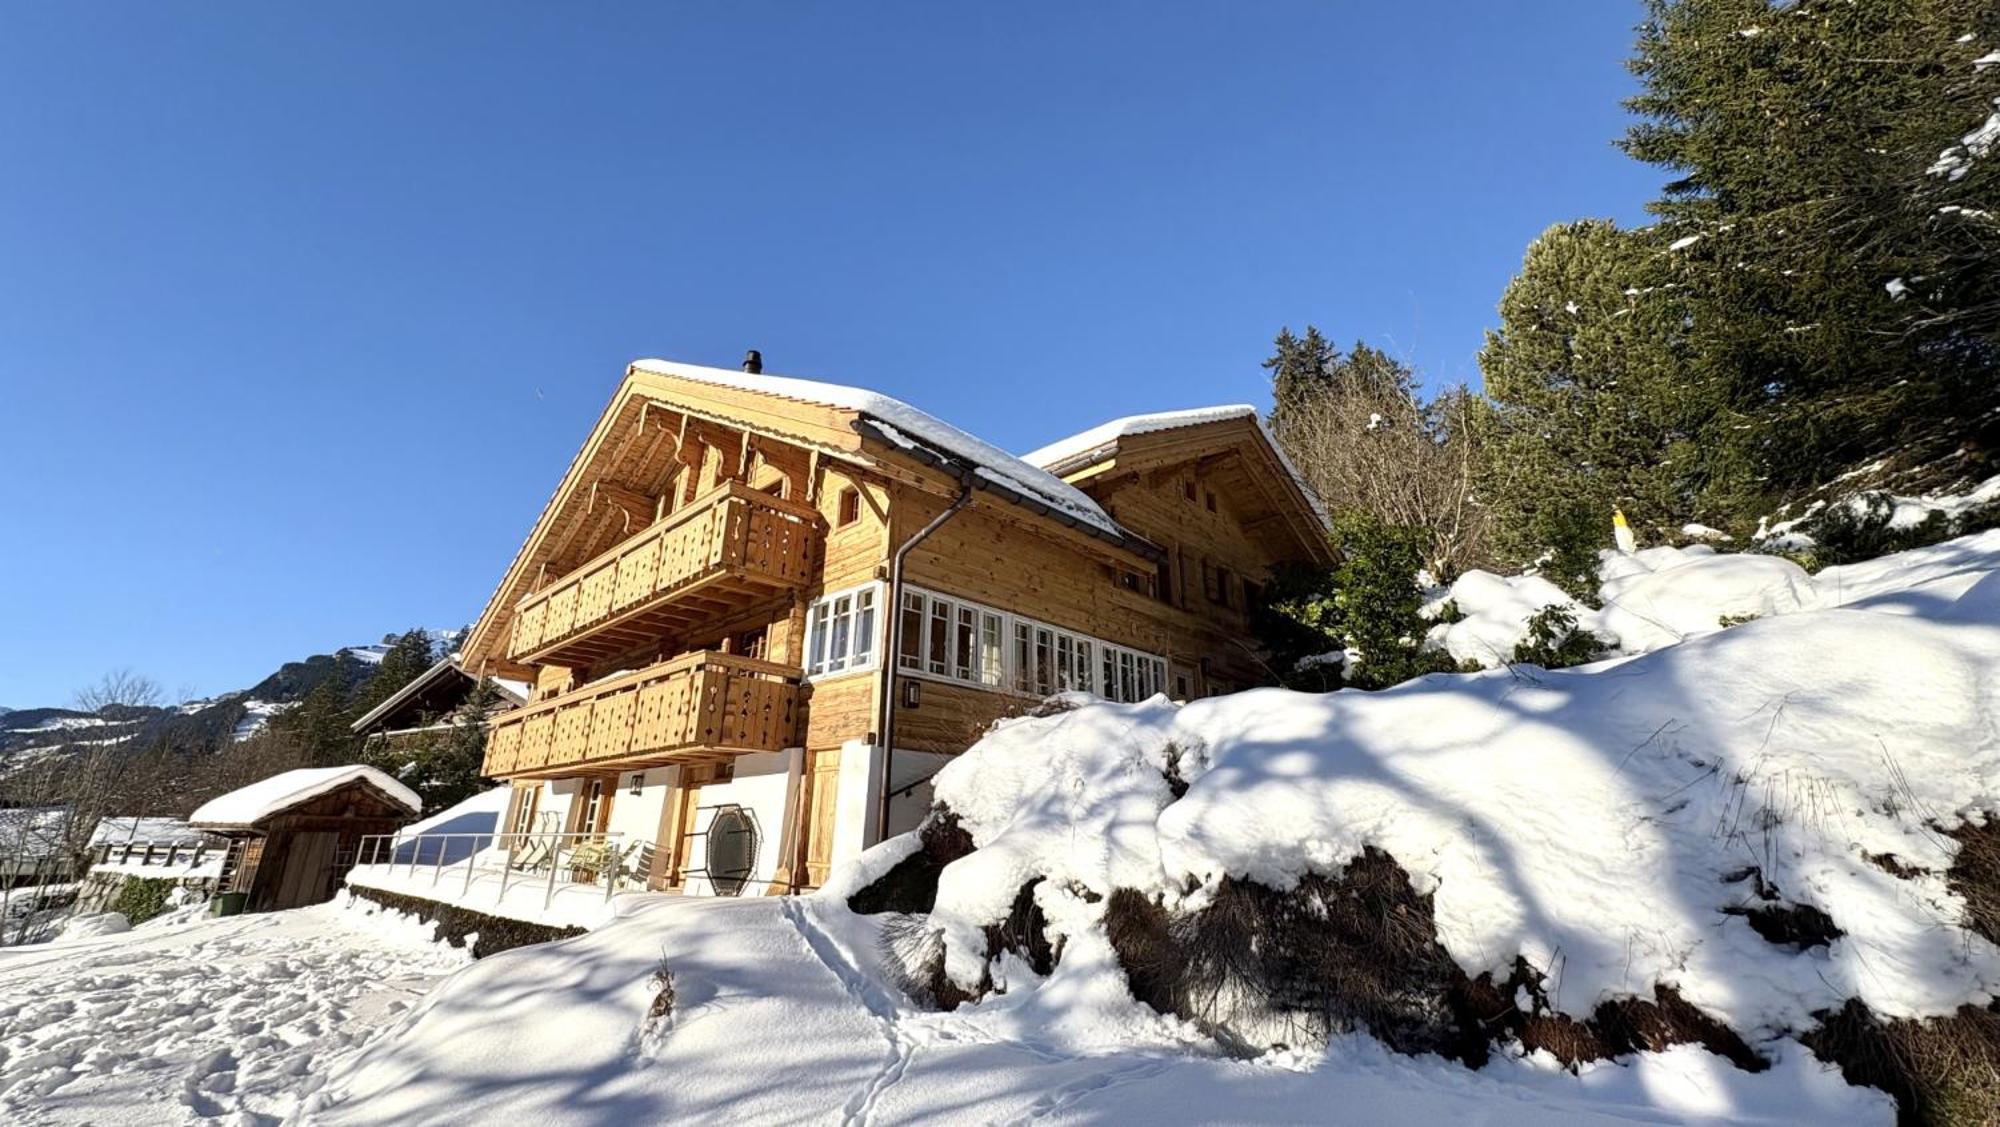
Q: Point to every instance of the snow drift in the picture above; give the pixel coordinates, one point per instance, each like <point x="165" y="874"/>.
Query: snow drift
<point x="1620" y="827"/>
<point x="1662" y="596"/>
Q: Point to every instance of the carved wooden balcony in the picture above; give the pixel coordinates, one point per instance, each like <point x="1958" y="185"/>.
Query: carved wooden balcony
<point x="722" y="553"/>
<point x="700" y="707"/>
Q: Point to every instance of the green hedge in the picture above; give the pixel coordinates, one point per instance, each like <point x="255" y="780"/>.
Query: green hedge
<point x="141" y="898"/>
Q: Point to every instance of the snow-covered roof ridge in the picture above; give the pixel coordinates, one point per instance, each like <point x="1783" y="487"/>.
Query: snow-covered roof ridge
<point x="1088" y="442"/>
<point x="916" y="424"/>
<point x="1088" y="446"/>
<point x="248" y="805"/>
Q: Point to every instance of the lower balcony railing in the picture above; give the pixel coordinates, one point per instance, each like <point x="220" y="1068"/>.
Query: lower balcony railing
<point x="701" y="706"/>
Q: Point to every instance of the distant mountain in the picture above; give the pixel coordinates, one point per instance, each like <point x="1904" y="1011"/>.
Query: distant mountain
<point x="31" y="735"/>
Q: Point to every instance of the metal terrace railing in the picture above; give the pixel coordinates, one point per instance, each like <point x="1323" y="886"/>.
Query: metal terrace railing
<point x="550" y="861"/>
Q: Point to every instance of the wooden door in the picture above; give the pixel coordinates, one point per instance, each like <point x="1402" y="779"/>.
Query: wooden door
<point x="819" y="803"/>
<point x="308" y="865"/>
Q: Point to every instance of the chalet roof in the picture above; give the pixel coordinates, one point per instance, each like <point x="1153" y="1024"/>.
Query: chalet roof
<point x="244" y="807"/>
<point x="845" y="422"/>
<point x="1085" y="448"/>
<point x="515" y="691"/>
<point x="901" y="419"/>
<point x="1099" y="441"/>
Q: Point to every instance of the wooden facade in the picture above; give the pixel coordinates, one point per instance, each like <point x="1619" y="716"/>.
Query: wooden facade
<point x="716" y="576"/>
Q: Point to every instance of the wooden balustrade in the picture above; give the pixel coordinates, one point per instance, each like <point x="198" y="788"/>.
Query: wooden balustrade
<point x="697" y="707"/>
<point x="722" y="552"/>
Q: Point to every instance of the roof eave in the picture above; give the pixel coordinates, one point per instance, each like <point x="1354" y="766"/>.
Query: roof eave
<point x="907" y="444"/>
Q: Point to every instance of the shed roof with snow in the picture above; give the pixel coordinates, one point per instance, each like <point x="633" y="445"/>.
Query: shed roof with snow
<point x="245" y="807"/>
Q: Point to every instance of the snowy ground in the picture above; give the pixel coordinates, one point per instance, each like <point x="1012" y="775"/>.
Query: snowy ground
<point x="196" y="1020"/>
<point x="782" y="1016"/>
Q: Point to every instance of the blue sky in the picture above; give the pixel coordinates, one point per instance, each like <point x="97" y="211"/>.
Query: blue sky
<point x="304" y="310"/>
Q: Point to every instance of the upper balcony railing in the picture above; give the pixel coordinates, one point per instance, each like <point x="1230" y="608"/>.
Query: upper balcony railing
<point x="725" y="550"/>
<point x="695" y="707"/>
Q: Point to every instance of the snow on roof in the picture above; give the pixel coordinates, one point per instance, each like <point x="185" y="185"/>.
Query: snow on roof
<point x="924" y="428"/>
<point x="1088" y="446"/>
<point x="1103" y="436"/>
<point x="247" y="805"/>
<point x="139" y="828"/>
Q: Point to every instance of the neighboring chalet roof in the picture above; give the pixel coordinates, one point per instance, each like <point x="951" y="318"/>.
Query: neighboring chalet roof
<point x="1122" y="440"/>
<point x="138" y="828"/>
<point x="244" y="807"/>
<point x="32" y="831"/>
<point x="1101" y="441"/>
<point x="437" y="678"/>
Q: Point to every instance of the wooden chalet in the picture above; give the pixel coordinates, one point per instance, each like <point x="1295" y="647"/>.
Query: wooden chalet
<point x="746" y="587"/>
<point x="294" y="835"/>
<point x="430" y="703"/>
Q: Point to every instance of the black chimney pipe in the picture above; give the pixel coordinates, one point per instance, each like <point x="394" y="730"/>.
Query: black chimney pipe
<point x="753" y="362"/>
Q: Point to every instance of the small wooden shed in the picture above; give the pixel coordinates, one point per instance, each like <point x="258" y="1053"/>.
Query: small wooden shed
<point x="294" y="835"/>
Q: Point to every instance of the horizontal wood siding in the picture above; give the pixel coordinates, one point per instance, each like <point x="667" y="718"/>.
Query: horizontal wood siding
<point x="950" y="718"/>
<point x="839" y="710"/>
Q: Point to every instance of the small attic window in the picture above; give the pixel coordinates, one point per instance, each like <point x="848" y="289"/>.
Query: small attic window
<point x="1187" y="487"/>
<point x="850" y="506"/>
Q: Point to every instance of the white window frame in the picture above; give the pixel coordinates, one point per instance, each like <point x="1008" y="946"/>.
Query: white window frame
<point x="850" y="620"/>
<point x="1034" y="658"/>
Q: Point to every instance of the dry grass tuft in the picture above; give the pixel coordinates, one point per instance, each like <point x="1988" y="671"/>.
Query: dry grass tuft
<point x="1943" y="1072"/>
<point x="911" y="886"/>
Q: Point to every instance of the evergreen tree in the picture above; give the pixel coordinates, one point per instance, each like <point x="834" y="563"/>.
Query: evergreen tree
<point x="1835" y="265"/>
<point x="1599" y="401"/>
<point x="1369" y="606"/>
<point x="317" y="727"/>
<point x="409" y="656"/>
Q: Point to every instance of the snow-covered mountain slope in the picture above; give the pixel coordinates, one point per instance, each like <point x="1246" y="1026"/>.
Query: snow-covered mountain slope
<point x="32" y="735"/>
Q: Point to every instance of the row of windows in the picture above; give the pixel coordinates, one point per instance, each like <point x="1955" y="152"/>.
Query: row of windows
<point x="947" y="637"/>
<point x="942" y="636"/>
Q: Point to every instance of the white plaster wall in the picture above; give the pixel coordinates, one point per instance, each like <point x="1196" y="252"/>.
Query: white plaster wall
<point x="857" y="806"/>
<point x="765" y="784"/>
<point x="637" y="816"/>
<point x="555" y="798"/>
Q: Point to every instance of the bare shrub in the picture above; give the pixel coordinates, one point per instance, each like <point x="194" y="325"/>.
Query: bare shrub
<point x="1975" y="875"/>
<point x="661" y="1010"/>
<point x="1258" y="967"/>
<point x="1943" y="1072"/>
